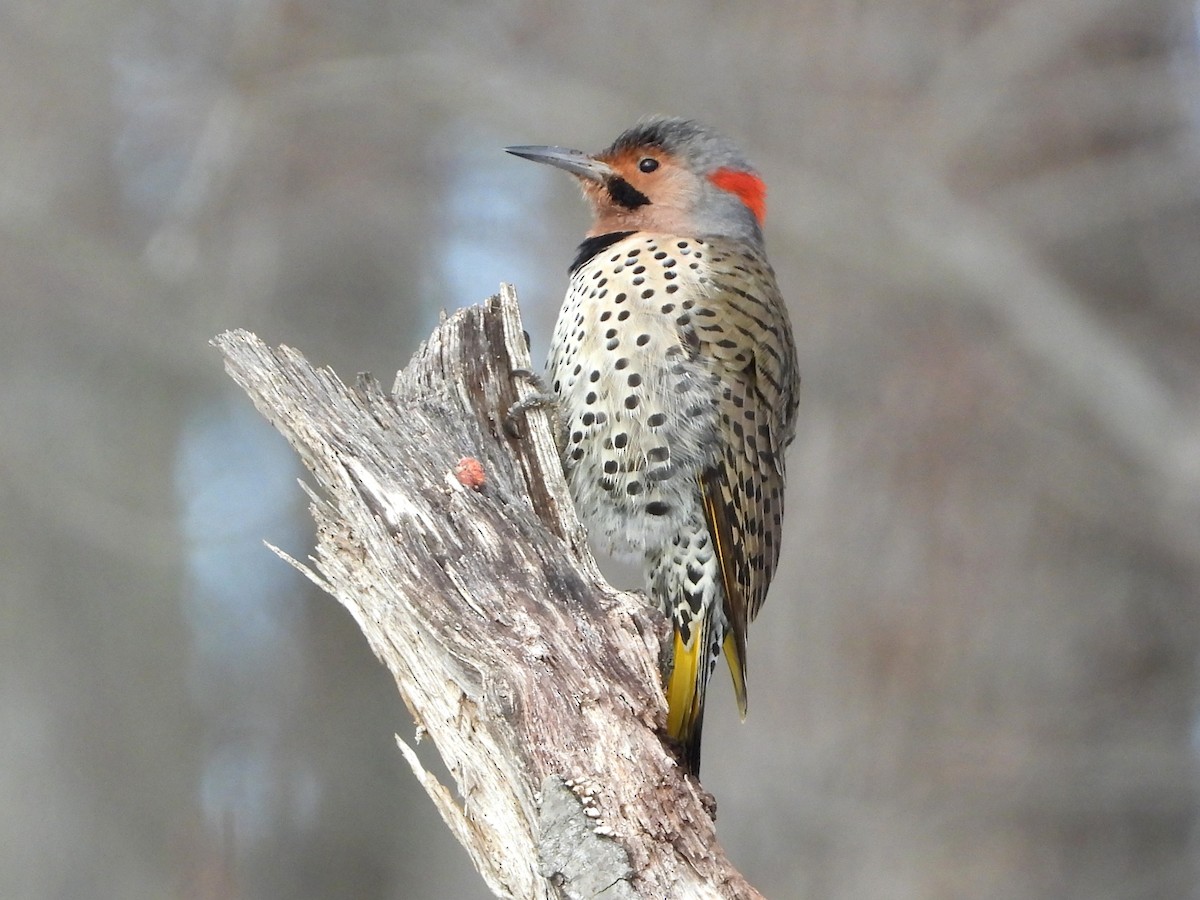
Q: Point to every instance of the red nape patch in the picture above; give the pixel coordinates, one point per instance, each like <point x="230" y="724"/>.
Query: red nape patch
<point x="748" y="187"/>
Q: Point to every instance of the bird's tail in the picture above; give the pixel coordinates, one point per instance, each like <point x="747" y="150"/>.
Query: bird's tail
<point x="685" y="694"/>
<point x="688" y="683"/>
<point x="685" y="691"/>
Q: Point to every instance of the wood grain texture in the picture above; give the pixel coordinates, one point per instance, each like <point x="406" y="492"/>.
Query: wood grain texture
<point x="537" y="681"/>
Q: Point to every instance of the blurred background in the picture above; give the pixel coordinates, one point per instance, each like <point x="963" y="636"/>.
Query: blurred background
<point x="976" y="675"/>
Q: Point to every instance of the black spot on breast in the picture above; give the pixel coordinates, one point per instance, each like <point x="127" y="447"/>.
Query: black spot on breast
<point x="691" y="342"/>
<point x="657" y="508"/>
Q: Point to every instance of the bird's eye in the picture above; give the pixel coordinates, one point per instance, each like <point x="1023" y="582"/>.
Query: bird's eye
<point x="649" y="164"/>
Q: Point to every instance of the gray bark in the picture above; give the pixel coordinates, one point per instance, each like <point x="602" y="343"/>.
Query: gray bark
<point x="538" y="683"/>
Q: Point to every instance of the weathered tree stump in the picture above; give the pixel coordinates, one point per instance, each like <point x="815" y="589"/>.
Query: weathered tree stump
<point x="537" y="681"/>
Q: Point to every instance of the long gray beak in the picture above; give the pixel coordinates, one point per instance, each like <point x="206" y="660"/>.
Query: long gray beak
<point x="574" y="161"/>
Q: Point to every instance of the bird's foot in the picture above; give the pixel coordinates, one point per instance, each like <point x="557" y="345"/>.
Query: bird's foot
<point x="537" y="400"/>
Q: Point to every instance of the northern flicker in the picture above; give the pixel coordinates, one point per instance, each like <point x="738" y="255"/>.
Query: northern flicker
<point x="674" y="374"/>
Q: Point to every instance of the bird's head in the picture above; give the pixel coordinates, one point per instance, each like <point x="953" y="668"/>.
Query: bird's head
<point x="671" y="176"/>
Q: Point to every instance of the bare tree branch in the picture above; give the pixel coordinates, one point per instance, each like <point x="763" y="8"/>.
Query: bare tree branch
<point x="473" y="583"/>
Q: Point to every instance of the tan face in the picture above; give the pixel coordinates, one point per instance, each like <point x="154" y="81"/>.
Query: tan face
<point x="645" y="185"/>
<point x="670" y="187"/>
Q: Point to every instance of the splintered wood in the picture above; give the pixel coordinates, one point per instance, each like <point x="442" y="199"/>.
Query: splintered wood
<point x="446" y="529"/>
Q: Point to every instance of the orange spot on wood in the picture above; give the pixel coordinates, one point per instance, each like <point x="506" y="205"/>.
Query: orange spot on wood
<point x="469" y="472"/>
<point x="747" y="186"/>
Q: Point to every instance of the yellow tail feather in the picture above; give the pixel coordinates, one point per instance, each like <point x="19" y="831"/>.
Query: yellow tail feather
<point x="685" y="694"/>
<point x="681" y="690"/>
<point x="686" y="688"/>
<point x="738" y="671"/>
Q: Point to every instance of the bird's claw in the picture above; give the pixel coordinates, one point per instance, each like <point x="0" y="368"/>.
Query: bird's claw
<point x="540" y="398"/>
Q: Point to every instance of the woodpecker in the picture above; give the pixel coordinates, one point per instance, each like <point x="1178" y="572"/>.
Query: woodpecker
<point x="673" y="370"/>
